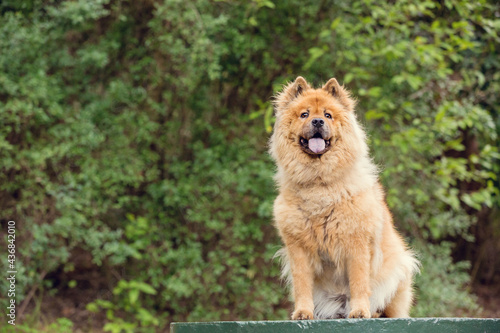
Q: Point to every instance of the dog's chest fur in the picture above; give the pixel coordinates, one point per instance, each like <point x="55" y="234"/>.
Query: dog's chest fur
<point x="328" y="224"/>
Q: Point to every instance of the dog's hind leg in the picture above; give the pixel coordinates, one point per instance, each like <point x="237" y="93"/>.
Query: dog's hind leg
<point x="399" y="306"/>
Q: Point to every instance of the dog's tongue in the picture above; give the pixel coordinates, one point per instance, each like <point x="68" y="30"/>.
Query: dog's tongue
<point x="317" y="145"/>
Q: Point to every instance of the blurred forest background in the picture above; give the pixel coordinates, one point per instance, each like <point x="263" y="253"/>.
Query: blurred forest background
<point x="133" y="150"/>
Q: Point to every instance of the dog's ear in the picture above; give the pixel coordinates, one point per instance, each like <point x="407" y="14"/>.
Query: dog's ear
<point x="299" y="86"/>
<point x="340" y="93"/>
<point x="291" y="92"/>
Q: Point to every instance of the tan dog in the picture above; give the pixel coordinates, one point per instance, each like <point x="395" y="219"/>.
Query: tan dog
<point x="342" y="253"/>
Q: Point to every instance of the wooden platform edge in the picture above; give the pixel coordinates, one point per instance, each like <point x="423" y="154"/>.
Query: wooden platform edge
<point x="410" y="325"/>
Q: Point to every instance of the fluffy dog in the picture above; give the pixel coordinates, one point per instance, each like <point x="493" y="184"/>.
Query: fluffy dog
<point x="342" y="255"/>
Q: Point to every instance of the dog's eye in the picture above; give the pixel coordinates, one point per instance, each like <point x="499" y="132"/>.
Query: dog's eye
<point x="329" y="116"/>
<point x="304" y="115"/>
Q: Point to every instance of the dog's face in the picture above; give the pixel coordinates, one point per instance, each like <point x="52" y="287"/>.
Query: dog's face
<point x="313" y="121"/>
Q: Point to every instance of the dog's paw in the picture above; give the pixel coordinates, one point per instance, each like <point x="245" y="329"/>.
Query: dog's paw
<point x="302" y="315"/>
<point x="360" y="313"/>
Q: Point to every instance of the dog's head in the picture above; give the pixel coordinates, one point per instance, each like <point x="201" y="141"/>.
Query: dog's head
<point x="314" y="121"/>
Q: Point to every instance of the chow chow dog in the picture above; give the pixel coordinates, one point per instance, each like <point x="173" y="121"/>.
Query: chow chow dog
<point x="342" y="255"/>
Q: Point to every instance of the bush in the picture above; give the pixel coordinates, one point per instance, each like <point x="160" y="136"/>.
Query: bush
<point x="136" y="132"/>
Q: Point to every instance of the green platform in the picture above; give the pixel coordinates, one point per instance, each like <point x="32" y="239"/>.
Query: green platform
<point x="426" y="325"/>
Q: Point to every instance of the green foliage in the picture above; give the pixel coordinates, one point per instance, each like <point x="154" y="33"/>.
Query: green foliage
<point x="136" y="132"/>
<point x="128" y="293"/>
<point x="60" y="325"/>
<point x="438" y="284"/>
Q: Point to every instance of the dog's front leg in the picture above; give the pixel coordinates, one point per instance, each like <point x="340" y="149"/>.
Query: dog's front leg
<point x="359" y="281"/>
<point x="303" y="276"/>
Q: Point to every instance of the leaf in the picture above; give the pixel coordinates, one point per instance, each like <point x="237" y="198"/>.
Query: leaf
<point x="315" y="53"/>
<point x="374" y="114"/>
<point x="335" y="23"/>
<point x="375" y="91"/>
<point x="133" y="295"/>
<point x="146" y="288"/>
<point x="348" y="77"/>
<point x="440" y="115"/>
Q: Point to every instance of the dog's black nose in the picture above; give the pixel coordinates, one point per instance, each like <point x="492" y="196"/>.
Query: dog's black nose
<point x="318" y="122"/>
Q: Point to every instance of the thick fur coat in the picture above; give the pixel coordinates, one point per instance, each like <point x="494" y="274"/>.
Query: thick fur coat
<point x="342" y="255"/>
